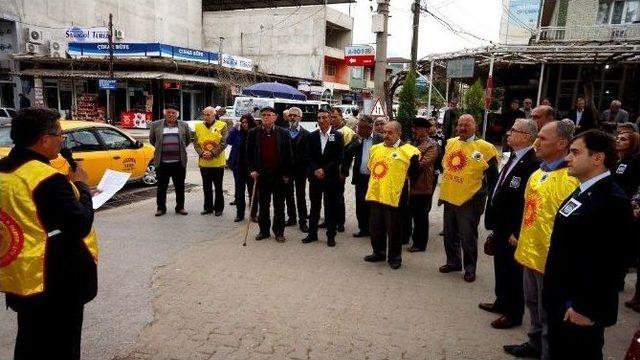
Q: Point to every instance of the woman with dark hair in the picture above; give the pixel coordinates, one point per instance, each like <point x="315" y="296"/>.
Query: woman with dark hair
<point x="237" y="138"/>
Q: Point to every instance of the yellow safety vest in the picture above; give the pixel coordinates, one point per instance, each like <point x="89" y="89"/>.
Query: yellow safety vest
<point x="388" y="167"/>
<point x="23" y="240"/>
<point x="544" y="194"/>
<point x="208" y="139"/>
<point x="347" y="134"/>
<point x="464" y="164"/>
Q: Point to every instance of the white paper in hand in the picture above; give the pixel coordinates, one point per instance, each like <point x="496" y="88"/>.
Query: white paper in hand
<point x="112" y="181"/>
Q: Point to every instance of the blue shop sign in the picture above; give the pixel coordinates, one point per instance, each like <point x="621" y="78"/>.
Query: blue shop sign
<point x="107" y="84"/>
<point x="120" y="50"/>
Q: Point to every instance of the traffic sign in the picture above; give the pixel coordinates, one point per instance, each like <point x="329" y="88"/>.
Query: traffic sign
<point x="360" y="60"/>
<point x="378" y="109"/>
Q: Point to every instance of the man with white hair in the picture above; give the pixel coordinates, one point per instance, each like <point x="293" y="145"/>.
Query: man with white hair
<point x="613" y="116"/>
<point x="298" y="182"/>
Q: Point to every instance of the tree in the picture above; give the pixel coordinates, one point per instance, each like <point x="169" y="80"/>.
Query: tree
<point x="473" y="101"/>
<point x="407" y="104"/>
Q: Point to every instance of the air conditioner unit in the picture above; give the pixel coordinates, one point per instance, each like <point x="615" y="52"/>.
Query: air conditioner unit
<point x="34" y="36"/>
<point x="57" y="49"/>
<point x="31" y="48"/>
<point x="118" y="34"/>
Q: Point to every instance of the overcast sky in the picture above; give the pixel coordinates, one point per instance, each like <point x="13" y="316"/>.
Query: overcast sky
<point x="478" y="17"/>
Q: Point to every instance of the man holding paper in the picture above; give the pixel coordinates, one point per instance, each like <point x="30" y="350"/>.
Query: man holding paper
<point x="48" y="261"/>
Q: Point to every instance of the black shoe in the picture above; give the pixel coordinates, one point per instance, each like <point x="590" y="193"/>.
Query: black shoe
<point x="522" y="351"/>
<point x="491" y="307"/>
<point x="290" y="222"/>
<point x="238" y="218"/>
<point x="469" y="277"/>
<point x="322" y="225"/>
<point x="449" y="268"/>
<point x="182" y="212"/>
<point x="262" y="236"/>
<point x="395" y="265"/>
<point x="331" y="242"/>
<point x="232" y="203"/>
<point x="160" y="212"/>
<point x="441" y="233"/>
<point x="309" y="239"/>
<point x="205" y="212"/>
<point x="374" y="258"/>
<point x="254" y="219"/>
<point x="304" y="228"/>
<point x="280" y="238"/>
<point x="360" y="234"/>
<point x="218" y="213"/>
<point x="340" y="228"/>
<point x="415" y="249"/>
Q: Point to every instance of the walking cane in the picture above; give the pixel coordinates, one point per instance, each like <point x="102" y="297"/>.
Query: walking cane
<point x="251" y="203"/>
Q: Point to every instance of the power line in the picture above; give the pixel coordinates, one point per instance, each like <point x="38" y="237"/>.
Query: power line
<point x="513" y="17"/>
<point x="287" y="17"/>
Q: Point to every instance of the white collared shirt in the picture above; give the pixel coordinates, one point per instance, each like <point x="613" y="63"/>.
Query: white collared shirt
<point x="589" y="183"/>
<point x="324" y="138"/>
<point x="472" y="138"/>
<point x="396" y="144"/>
<point x="579" y="116"/>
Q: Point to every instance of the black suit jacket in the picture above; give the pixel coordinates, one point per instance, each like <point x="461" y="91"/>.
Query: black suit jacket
<point x="449" y="122"/>
<point x="505" y="209"/>
<point x="329" y="160"/>
<point x="588" y="120"/>
<point x="586" y="257"/>
<point x="283" y="141"/>
<point x="353" y="152"/>
<point x="299" y="148"/>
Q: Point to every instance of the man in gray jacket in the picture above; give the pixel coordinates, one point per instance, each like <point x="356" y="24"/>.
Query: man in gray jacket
<point x="170" y="137"/>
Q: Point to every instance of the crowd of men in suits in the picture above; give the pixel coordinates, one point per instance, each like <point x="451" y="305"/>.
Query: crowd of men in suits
<point x="544" y="207"/>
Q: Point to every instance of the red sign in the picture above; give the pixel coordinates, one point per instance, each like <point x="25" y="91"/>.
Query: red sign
<point x="361" y="60"/>
<point x="135" y="119"/>
<point x="488" y="93"/>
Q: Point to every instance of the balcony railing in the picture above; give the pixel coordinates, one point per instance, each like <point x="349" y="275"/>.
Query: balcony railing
<point x="589" y="33"/>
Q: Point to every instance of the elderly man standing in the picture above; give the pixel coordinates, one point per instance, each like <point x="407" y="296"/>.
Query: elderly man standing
<point x="358" y="152"/>
<point x="338" y="123"/>
<point x="503" y="217"/>
<point x="543" y="115"/>
<point x="299" y="171"/>
<point x="170" y="137"/>
<point x="269" y="164"/>
<point x="526" y="108"/>
<point x="613" y="116"/>
<point x="210" y="142"/>
<point x="390" y="163"/>
<point x="546" y="189"/>
<point x="470" y="168"/>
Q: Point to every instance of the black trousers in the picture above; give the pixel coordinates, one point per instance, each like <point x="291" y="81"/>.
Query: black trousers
<point x="508" y="274"/>
<point x="328" y="190"/>
<point x="271" y="185"/>
<point x="419" y="207"/>
<point x="297" y="185"/>
<point x="362" y="208"/>
<point x="340" y="206"/>
<point x="570" y="341"/>
<point x="461" y="232"/>
<point x="177" y="173"/>
<point x="49" y="333"/>
<point x="212" y="176"/>
<point x="243" y="181"/>
<point x="386" y="223"/>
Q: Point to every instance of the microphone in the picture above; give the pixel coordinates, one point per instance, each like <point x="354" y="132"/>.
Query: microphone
<point x="67" y="155"/>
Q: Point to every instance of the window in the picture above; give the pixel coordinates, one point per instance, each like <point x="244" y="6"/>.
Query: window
<point x="82" y="140"/>
<point x="5" y="137"/>
<point x="330" y="69"/>
<point x="114" y="140"/>
<point x="618" y="12"/>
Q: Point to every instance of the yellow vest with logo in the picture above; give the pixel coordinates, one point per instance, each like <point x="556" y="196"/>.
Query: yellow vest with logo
<point x="347" y="134"/>
<point x="23" y="240"/>
<point x="544" y="194"/>
<point x="208" y="140"/>
<point x="464" y="164"/>
<point x="388" y="167"/>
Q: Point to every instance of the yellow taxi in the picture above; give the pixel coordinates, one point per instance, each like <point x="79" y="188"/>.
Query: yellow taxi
<point x="98" y="147"/>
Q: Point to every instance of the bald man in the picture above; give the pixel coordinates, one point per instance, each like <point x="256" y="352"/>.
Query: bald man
<point x="209" y="142"/>
<point x="470" y="168"/>
<point x="543" y="115"/>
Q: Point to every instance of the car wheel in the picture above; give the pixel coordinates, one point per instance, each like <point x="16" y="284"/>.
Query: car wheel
<point x="149" y="177"/>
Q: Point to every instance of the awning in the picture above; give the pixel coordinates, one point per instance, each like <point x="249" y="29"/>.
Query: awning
<point x="140" y="75"/>
<point x="335" y="86"/>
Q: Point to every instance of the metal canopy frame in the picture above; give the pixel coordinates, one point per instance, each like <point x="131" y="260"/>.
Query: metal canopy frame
<point x="223" y="5"/>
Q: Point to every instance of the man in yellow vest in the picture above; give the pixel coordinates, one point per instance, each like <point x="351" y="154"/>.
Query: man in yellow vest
<point x="338" y="123"/>
<point x="48" y="248"/>
<point x="210" y="142"/>
<point x="390" y="163"/>
<point x="470" y="168"/>
<point x="546" y="189"/>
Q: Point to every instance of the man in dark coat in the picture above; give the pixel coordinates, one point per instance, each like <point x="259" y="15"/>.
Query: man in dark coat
<point x="325" y="150"/>
<point x="582" y="116"/>
<point x="269" y="164"/>
<point x="504" y="216"/>
<point x="450" y="120"/>
<point x="358" y="152"/>
<point x="584" y="267"/>
<point x="299" y="171"/>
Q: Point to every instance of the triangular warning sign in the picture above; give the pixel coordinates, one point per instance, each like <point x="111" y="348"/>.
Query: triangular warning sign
<point x="377" y="109"/>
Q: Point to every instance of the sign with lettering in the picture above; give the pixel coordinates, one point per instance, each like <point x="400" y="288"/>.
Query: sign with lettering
<point x="87" y="35"/>
<point x="237" y="62"/>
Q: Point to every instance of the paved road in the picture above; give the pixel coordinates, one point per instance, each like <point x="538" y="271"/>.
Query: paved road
<point x="184" y="288"/>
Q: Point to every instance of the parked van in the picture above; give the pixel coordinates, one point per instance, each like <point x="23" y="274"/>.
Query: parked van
<point x="252" y="105"/>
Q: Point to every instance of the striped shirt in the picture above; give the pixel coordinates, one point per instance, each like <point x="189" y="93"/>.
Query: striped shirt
<point x="170" y="145"/>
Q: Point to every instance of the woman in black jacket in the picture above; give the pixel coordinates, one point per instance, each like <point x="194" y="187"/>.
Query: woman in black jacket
<point x="237" y="138"/>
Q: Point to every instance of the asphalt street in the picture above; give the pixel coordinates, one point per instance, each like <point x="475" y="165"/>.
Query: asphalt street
<point x="179" y="287"/>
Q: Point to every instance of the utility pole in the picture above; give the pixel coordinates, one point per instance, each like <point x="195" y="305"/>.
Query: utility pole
<point x="379" y="26"/>
<point x="414" y="39"/>
<point x="109" y="113"/>
<point x="220" y="50"/>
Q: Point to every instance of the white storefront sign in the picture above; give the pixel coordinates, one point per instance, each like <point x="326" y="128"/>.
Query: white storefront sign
<point x="88" y="35"/>
<point x="237" y="62"/>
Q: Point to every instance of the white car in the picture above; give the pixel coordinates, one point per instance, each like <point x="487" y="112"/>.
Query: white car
<point x="5" y="115"/>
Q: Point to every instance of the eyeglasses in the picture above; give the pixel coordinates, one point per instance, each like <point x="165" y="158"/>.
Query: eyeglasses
<point x="518" y="131"/>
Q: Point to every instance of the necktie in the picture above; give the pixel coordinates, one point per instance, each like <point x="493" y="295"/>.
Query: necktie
<point x="505" y="169"/>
